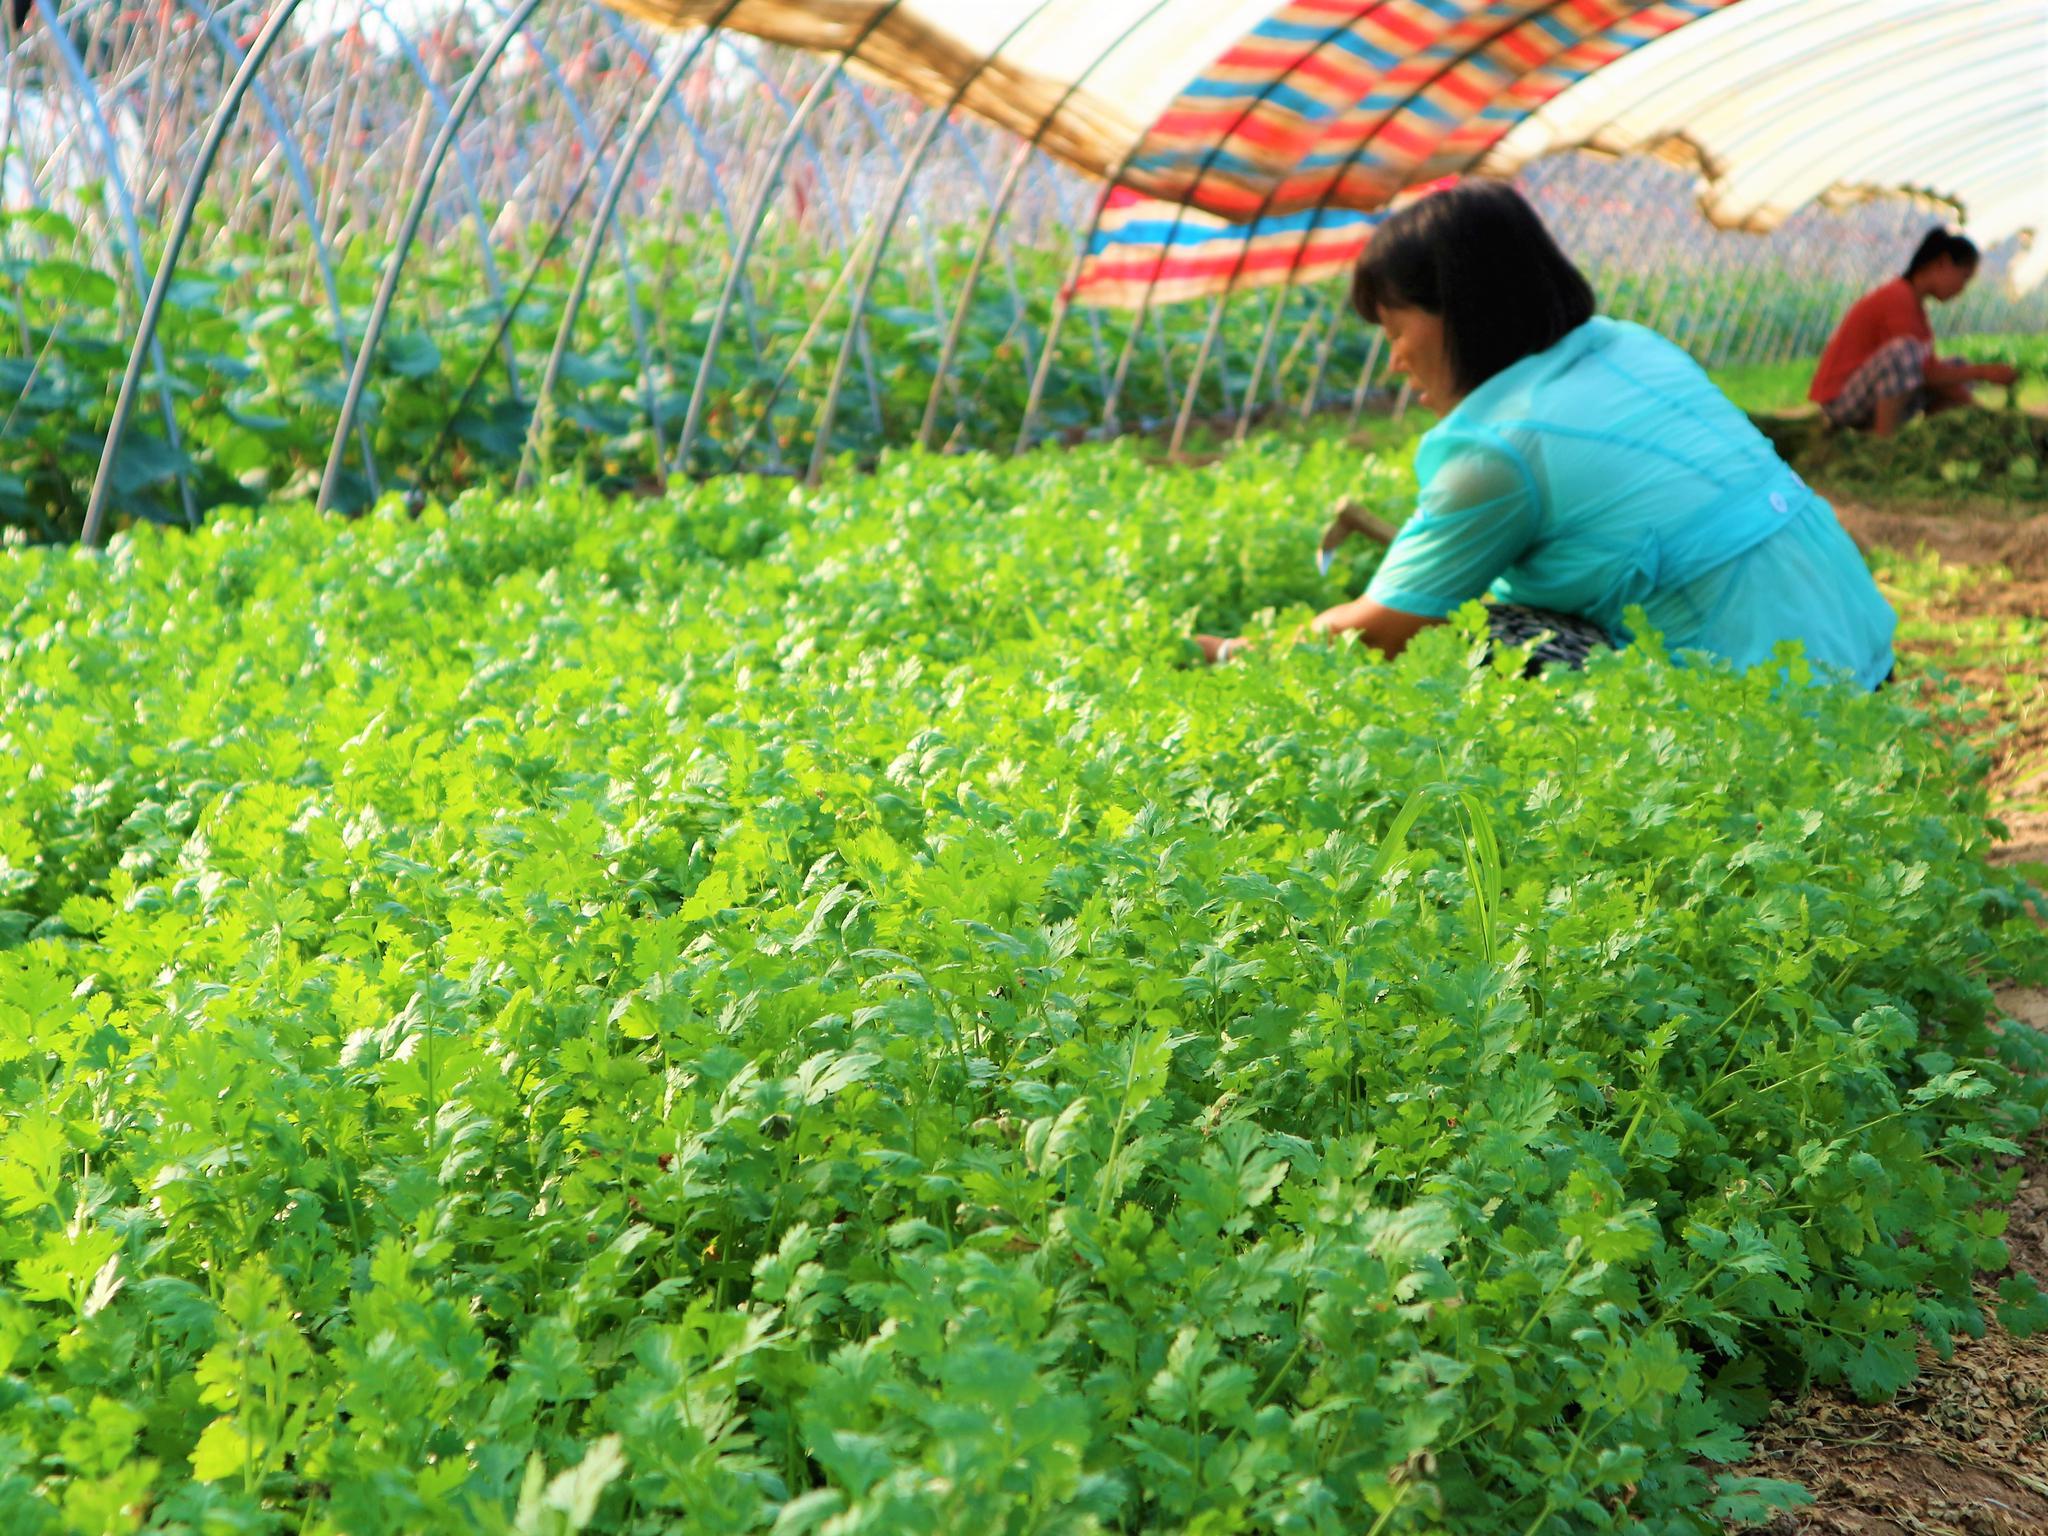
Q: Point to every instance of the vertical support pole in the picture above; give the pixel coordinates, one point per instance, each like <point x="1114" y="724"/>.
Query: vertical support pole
<point x="1358" y="394"/>
<point x="309" y="203"/>
<point x="181" y="226"/>
<point x="586" y="266"/>
<point x="964" y="303"/>
<point x="1217" y="310"/>
<point x="700" y="392"/>
<point x="124" y="200"/>
<point x="821" y="446"/>
<point x="394" y="267"/>
<point x="1313" y="395"/>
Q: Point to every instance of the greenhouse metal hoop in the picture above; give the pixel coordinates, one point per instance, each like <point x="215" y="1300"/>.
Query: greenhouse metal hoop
<point x="152" y="309"/>
<point x="586" y="267"/>
<point x="415" y="211"/>
<point x="700" y="391"/>
<point x="1323" y="204"/>
<point x="124" y="199"/>
<point x="1064" y="303"/>
<point x="1011" y="179"/>
<point x="935" y="119"/>
<point x="1515" y="23"/>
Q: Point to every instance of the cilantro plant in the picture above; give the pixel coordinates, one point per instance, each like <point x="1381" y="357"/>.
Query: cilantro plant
<point x="804" y="1012"/>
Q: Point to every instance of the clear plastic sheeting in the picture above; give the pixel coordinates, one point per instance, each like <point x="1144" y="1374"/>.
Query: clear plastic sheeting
<point x="1241" y="108"/>
<point x="1083" y="79"/>
<point x="1779" y="102"/>
<point x="1291" y="118"/>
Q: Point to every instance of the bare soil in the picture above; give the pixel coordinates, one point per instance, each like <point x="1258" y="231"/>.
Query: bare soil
<point x="1963" y="1451"/>
<point x="2020" y="544"/>
<point x="2013" y="555"/>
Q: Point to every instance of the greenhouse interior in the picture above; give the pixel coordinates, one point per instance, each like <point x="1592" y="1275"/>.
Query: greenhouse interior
<point x="1027" y="766"/>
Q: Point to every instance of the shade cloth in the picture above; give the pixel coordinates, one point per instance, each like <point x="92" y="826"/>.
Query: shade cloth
<point x="1290" y="118"/>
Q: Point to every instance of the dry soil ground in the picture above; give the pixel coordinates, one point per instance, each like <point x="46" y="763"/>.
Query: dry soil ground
<point x="1964" y="1450"/>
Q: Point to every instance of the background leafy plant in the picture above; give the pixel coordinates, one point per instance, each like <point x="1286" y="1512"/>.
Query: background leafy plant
<point x="765" y="1010"/>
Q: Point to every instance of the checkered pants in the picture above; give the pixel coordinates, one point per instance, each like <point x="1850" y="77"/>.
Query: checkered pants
<point x="1896" y="368"/>
<point x="1561" y="640"/>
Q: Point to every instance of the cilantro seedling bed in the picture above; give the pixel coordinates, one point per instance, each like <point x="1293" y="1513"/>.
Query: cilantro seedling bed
<point x="776" y="1007"/>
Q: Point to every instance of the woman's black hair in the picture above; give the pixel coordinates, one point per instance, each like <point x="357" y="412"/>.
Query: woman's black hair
<point x="1960" y="249"/>
<point x="1478" y="255"/>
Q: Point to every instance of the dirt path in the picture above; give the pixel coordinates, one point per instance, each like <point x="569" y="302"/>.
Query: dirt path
<point x="1954" y="633"/>
<point x="1963" y="1451"/>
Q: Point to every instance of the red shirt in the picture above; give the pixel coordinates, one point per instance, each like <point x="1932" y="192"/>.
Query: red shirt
<point x="1877" y="319"/>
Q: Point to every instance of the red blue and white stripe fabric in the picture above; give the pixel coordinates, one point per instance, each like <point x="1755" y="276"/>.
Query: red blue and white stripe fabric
<point x="1290" y="121"/>
<point x="1145" y="251"/>
<point x="1329" y="109"/>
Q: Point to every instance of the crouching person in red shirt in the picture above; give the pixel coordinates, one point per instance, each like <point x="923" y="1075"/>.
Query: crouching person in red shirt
<point x="1879" y="369"/>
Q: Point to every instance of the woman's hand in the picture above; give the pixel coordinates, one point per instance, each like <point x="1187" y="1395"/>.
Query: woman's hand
<point x="1218" y="648"/>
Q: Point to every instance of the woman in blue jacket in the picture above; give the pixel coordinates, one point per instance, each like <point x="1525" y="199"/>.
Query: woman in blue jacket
<point x="1582" y="466"/>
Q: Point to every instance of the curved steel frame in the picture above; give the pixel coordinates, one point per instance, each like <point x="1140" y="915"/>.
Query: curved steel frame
<point x="146" y="342"/>
<point x="601" y="222"/>
<point x="936" y="118"/>
<point x="309" y="204"/>
<point x="700" y="391"/>
<point x="153" y="308"/>
<point x="1011" y="179"/>
<point x="394" y="267"/>
<point x="1514" y="23"/>
<point x="876" y="163"/>
<point x="593" y="149"/>
<point x="494" y="283"/>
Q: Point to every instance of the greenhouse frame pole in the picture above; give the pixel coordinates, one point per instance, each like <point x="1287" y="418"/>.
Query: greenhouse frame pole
<point x="1189" y="400"/>
<point x="1260" y="358"/>
<point x="833" y="199"/>
<point x="957" y="330"/>
<point x="1329" y="37"/>
<point x="309" y="202"/>
<point x="1144" y="309"/>
<point x="821" y="442"/>
<point x="593" y="246"/>
<point x="1364" y="384"/>
<point x="1326" y="353"/>
<point x="159" y="290"/>
<point x="124" y="198"/>
<point x="593" y="145"/>
<point x="408" y="231"/>
<point x="700" y="392"/>
<point x="1317" y="325"/>
<point x="957" y="327"/>
<point x="493" y="281"/>
<point x="1513" y="24"/>
<point x="1063" y="302"/>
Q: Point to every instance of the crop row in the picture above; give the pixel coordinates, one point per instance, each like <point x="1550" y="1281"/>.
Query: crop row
<point x="253" y="369"/>
<point x="775" y="1010"/>
<point x="253" y="363"/>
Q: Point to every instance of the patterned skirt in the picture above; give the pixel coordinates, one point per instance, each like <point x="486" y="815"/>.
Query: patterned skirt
<point x="1561" y="639"/>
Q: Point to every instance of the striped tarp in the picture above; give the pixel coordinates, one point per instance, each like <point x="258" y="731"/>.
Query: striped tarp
<point x="1276" y="123"/>
<point x="1345" y="102"/>
<point x="1330" y="106"/>
<point x="1145" y="251"/>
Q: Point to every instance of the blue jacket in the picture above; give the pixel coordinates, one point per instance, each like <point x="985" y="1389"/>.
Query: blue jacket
<point x="1609" y="471"/>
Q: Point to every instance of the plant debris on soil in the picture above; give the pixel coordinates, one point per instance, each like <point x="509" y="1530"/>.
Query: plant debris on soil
<point x="1963" y="1451"/>
<point x="2007" y="591"/>
<point x="2000" y="455"/>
